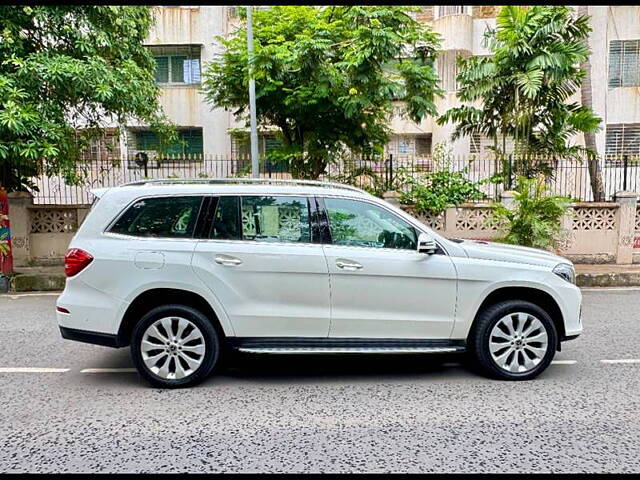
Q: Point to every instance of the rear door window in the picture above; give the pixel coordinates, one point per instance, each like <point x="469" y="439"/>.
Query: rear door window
<point x="162" y="217"/>
<point x="276" y="219"/>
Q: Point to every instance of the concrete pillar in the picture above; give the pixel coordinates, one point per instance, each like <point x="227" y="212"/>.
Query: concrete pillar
<point x="20" y="221"/>
<point x="507" y="198"/>
<point x="450" y="215"/>
<point x="392" y="197"/>
<point x="628" y="202"/>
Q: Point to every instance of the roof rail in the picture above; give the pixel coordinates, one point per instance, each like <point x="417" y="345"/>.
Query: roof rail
<point x="222" y="181"/>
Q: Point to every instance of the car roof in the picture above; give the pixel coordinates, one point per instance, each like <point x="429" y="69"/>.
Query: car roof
<point x="234" y="186"/>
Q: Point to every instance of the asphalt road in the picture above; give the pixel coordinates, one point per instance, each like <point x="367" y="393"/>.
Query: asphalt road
<point x="320" y="414"/>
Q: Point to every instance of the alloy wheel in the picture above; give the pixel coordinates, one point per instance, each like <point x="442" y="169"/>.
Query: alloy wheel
<point x="173" y="348"/>
<point x="518" y="342"/>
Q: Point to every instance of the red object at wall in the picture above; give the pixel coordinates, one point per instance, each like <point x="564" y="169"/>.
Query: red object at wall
<point x="6" y="257"/>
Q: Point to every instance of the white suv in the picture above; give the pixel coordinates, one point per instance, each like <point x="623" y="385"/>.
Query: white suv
<point x="184" y="271"/>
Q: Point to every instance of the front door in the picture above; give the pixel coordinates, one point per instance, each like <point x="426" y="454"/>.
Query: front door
<point x="381" y="287"/>
<point x="260" y="262"/>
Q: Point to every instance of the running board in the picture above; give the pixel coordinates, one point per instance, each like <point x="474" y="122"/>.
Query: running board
<point x="324" y="345"/>
<point x="346" y="350"/>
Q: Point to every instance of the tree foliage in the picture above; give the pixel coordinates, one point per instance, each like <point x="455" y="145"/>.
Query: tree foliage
<point x="65" y="72"/>
<point x="327" y="77"/>
<point x="525" y="86"/>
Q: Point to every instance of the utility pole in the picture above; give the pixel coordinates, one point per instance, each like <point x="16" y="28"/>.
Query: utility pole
<point x="255" y="166"/>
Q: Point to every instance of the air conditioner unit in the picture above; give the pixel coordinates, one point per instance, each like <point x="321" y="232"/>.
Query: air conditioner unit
<point x="138" y="159"/>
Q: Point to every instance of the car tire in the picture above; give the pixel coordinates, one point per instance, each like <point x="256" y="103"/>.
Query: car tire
<point x="501" y="352"/>
<point x="191" y="351"/>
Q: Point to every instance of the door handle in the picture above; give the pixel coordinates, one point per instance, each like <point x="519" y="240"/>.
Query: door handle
<point x="348" y="265"/>
<point x="227" y="260"/>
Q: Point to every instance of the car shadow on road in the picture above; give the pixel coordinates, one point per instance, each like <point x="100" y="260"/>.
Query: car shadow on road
<point x="284" y="368"/>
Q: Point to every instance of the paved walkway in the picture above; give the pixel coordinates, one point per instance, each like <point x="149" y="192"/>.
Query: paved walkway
<point x="608" y="268"/>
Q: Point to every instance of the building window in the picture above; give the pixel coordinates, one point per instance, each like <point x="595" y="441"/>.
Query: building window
<point x="623" y="139"/>
<point x="241" y="145"/>
<point x="190" y="141"/>
<point x="446" y="10"/>
<point x="105" y="148"/>
<point x="481" y="144"/>
<point x="624" y="63"/>
<point x="404" y="146"/>
<point x="423" y="144"/>
<point x="177" y="64"/>
<point x="474" y="143"/>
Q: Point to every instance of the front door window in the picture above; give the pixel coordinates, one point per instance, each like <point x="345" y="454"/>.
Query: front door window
<point x="362" y="224"/>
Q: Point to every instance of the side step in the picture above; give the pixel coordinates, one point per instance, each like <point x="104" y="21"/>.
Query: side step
<point x="302" y="346"/>
<point x="343" y="350"/>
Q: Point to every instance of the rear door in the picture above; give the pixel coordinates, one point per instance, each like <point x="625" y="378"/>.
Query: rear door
<point x="261" y="260"/>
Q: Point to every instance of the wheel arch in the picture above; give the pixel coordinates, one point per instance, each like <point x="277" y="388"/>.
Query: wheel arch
<point x="534" y="295"/>
<point x="155" y="297"/>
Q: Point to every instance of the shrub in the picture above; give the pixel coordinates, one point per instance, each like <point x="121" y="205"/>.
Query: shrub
<point x="536" y="219"/>
<point x="442" y="188"/>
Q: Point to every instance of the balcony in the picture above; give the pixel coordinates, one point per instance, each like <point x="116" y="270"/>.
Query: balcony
<point x="455" y="25"/>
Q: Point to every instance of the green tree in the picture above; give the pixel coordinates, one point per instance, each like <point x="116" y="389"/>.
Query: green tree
<point x="328" y="77"/>
<point x="65" y="73"/>
<point x="525" y="85"/>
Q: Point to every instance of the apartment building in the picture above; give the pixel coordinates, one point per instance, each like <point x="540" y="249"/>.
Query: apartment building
<point x="183" y="41"/>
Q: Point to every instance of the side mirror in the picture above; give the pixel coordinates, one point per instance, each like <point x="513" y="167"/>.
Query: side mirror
<point x="426" y="244"/>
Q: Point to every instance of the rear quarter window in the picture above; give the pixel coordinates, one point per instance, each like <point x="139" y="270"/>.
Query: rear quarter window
<point x="163" y="217"/>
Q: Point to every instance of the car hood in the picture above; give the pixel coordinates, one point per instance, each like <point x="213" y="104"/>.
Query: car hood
<point x="511" y="253"/>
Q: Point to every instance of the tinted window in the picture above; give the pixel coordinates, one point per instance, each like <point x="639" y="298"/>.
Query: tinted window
<point x="363" y="224"/>
<point x="226" y="225"/>
<point x="160" y="217"/>
<point x="276" y="219"/>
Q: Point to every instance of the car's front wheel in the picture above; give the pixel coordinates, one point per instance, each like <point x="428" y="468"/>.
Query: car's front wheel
<point x="513" y="340"/>
<point x="174" y="346"/>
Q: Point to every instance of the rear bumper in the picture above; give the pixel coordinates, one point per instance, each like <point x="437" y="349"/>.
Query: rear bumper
<point x="96" y="338"/>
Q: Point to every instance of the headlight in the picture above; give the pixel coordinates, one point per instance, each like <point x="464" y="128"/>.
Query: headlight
<point x="565" y="271"/>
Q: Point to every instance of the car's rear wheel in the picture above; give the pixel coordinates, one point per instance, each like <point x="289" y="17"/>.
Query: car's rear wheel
<point x="174" y="346"/>
<point x="513" y="340"/>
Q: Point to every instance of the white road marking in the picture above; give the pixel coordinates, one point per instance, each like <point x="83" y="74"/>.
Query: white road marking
<point x="16" y="296"/>
<point x="32" y="370"/>
<point x="564" y="362"/>
<point x="108" y="370"/>
<point x="622" y="360"/>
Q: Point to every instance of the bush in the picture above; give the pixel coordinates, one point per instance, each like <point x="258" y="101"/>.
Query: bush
<point x="536" y="219"/>
<point x="435" y="191"/>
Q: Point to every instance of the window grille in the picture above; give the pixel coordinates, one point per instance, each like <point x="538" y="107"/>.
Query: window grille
<point x="622" y="139"/>
<point x="445" y="10"/>
<point x="177" y="64"/>
<point x="624" y="63"/>
<point x="423" y="144"/>
<point x="190" y="141"/>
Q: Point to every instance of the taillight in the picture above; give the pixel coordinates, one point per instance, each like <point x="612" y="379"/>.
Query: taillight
<point x="75" y="261"/>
